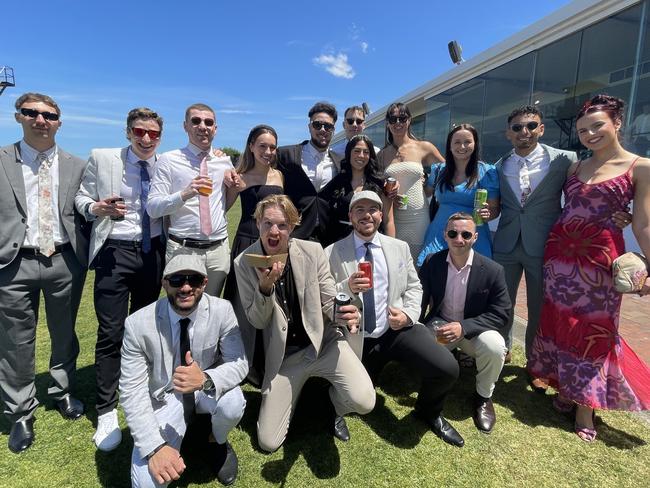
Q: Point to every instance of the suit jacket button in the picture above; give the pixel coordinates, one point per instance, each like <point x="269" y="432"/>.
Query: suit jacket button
<point x="22" y="220"/>
<point x="283" y="329"/>
<point x="15" y="244"/>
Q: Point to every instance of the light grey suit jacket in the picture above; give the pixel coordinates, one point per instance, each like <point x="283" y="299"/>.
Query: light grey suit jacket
<point x="102" y="179"/>
<point x="316" y="291"/>
<point x="148" y="361"/>
<point x="534" y="220"/>
<point x="13" y="203"/>
<point x="404" y="288"/>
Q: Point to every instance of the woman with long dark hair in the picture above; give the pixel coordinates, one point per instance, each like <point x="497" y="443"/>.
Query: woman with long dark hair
<point x="454" y="184"/>
<point x="405" y="157"/>
<point x="577" y="347"/>
<point x="358" y="172"/>
<point x="258" y="177"/>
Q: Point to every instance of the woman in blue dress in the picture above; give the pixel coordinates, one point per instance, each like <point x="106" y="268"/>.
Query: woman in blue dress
<point x="454" y="184"/>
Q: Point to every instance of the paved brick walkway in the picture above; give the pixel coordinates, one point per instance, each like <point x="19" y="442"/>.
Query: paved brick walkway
<point x="634" y="324"/>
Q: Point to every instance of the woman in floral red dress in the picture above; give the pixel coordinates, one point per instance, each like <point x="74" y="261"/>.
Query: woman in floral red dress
<point x="577" y="347"/>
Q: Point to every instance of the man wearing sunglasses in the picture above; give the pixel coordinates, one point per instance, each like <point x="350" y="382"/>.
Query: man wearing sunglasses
<point x="354" y="123"/>
<point x="181" y="355"/>
<point x="531" y="178"/>
<point x="391" y="308"/>
<point x="126" y="251"/>
<point x="307" y="167"/>
<point x="188" y="186"/>
<point x="293" y="305"/>
<point x="42" y="249"/>
<point x="467" y="293"/>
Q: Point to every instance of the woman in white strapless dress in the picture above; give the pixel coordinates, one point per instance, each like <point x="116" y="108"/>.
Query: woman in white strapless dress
<point x="404" y="158"/>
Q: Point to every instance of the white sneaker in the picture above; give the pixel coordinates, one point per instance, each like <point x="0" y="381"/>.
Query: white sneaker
<point x="108" y="434"/>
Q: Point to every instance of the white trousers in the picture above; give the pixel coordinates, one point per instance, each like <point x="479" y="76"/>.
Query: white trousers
<point x="226" y="412"/>
<point x="217" y="262"/>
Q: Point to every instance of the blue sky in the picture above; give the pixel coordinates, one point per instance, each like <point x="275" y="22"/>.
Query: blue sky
<point x="254" y="62"/>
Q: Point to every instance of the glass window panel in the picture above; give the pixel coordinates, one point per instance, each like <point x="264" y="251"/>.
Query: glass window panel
<point x="637" y="134"/>
<point x="437" y="120"/>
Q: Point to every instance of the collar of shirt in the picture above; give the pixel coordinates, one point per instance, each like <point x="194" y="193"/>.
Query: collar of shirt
<point x="359" y="244"/>
<point x="197" y="150"/>
<point x="132" y="158"/>
<point x="470" y="259"/>
<point x="534" y="156"/>
<point x="174" y="316"/>
<point x="315" y="153"/>
<point x="28" y="154"/>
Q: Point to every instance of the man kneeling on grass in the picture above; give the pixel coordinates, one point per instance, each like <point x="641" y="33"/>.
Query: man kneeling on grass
<point x="180" y="355"/>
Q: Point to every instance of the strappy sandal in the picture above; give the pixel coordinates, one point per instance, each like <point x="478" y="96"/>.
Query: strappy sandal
<point x="563" y="406"/>
<point x="585" y="433"/>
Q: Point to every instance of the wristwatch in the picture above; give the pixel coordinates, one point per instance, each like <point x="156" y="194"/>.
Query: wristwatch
<point x="208" y="384"/>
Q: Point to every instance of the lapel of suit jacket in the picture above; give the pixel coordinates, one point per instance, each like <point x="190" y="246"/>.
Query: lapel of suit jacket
<point x="117" y="169"/>
<point x="390" y="256"/>
<point x="475" y="273"/>
<point x="166" y="338"/>
<point x="440" y="281"/>
<point x="200" y="329"/>
<point x="65" y="172"/>
<point x="12" y="163"/>
<point x="299" y="273"/>
<point x="348" y="255"/>
<point x="504" y="185"/>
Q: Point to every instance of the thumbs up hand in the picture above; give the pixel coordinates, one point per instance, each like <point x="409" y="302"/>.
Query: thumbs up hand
<point x="190" y="378"/>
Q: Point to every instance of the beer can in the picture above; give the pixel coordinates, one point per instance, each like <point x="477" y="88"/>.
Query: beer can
<point x="365" y="267"/>
<point x="479" y="199"/>
<point x="390" y="184"/>
<point x="402" y="202"/>
<point x="340" y="300"/>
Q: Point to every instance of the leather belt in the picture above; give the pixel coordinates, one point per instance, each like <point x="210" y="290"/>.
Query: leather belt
<point x="34" y="251"/>
<point x="124" y="244"/>
<point x="195" y="243"/>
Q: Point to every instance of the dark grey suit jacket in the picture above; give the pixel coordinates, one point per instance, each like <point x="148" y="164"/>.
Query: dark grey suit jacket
<point x="13" y="204"/>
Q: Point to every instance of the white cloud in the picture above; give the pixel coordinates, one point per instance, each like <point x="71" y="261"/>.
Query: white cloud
<point x="304" y="98"/>
<point x="91" y="120"/>
<point x="336" y="65"/>
<point x="364" y="47"/>
<point x="235" y="111"/>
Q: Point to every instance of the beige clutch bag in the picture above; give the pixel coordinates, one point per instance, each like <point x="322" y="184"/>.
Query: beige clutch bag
<point x="262" y="261"/>
<point x="629" y="272"/>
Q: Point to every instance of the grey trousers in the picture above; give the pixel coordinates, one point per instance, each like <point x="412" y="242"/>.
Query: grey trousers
<point x="60" y="278"/>
<point x="514" y="264"/>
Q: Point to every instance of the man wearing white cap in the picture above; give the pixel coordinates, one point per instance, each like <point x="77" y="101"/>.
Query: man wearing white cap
<point x="180" y="355"/>
<point x="391" y="298"/>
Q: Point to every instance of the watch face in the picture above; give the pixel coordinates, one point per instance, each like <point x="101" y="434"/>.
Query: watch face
<point x="208" y="384"/>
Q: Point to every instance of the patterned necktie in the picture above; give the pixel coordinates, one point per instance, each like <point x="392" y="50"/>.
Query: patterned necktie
<point x="45" y="213"/>
<point x="524" y="181"/>
<point x="369" y="316"/>
<point x="145" y="182"/>
<point x="204" y="200"/>
<point x="188" y="398"/>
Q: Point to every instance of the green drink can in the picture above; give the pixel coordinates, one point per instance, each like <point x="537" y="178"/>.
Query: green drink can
<point x="479" y="199"/>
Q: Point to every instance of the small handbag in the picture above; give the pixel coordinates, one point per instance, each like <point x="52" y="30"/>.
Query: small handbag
<point x="433" y="204"/>
<point x="629" y="272"/>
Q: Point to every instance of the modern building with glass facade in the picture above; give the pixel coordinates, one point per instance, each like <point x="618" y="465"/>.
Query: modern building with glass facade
<point x="587" y="47"/>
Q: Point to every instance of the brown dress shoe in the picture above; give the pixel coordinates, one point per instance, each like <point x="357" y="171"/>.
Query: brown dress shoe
<point x="508" y="358"/>
<point x="484" y="415"/>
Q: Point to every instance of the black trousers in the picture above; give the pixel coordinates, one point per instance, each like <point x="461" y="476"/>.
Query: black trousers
<point x="120" y="272"/>
<point x="417" y="349"/>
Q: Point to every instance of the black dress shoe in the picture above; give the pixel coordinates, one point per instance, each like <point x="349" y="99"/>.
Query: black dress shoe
<point x="70" y="407"/>
<point x="227" y="464"/>
<point x="484" y="415"/>
<point x="22" y="435"/>
<point x="340" y="429"/>
<point x="446" y="432"/>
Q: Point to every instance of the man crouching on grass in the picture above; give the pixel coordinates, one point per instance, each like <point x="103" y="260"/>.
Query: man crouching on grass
<point x="180" y="355"/>
<point x="293" y="304"/>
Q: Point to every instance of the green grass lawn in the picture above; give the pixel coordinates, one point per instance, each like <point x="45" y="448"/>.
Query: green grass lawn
<point x="530" y="446"/>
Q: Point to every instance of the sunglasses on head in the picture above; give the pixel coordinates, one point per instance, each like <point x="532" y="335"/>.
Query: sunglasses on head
<point x="32" y="114"/>
<point x="318" y="125"/>
<point x="198" y="120"/>
<point x="178" y="280"/>
<point x="139" y="132"/>
<point x="397" y="119"/>
<point x="466" y="235"/>
<point x="531" y="126"/>
<point x="355" y="121"/>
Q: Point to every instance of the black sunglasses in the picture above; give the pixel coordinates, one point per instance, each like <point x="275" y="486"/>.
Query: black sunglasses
<point x="198" y="120"/>
<point x="140" y="132"/>
<point x="466" y="235"/>
<point x="355" y="121"/>
<point x="318" y="125"/>
<point x="395" y="119"/>
<point x="531" y="126"/>
<point x="32" y="114"/>
<point x="178" y="280"/>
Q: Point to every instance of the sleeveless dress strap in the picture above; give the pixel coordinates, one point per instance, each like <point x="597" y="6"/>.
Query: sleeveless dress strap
<point x="633" y="163"/>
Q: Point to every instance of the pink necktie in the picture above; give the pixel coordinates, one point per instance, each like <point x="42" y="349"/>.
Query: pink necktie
<point x="204" y="201"/>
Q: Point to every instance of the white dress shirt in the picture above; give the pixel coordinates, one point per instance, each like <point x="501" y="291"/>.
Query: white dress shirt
<point x="452" y="308"/>
<point x="379" y="281"/>
<point x="174" y="172"/>
<point x="130" y="228"/>
<point x="535" y="167"/>
<point x="30" y="176"/>
<point x="174" y="319"/>
<point x="317" y="165"/>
